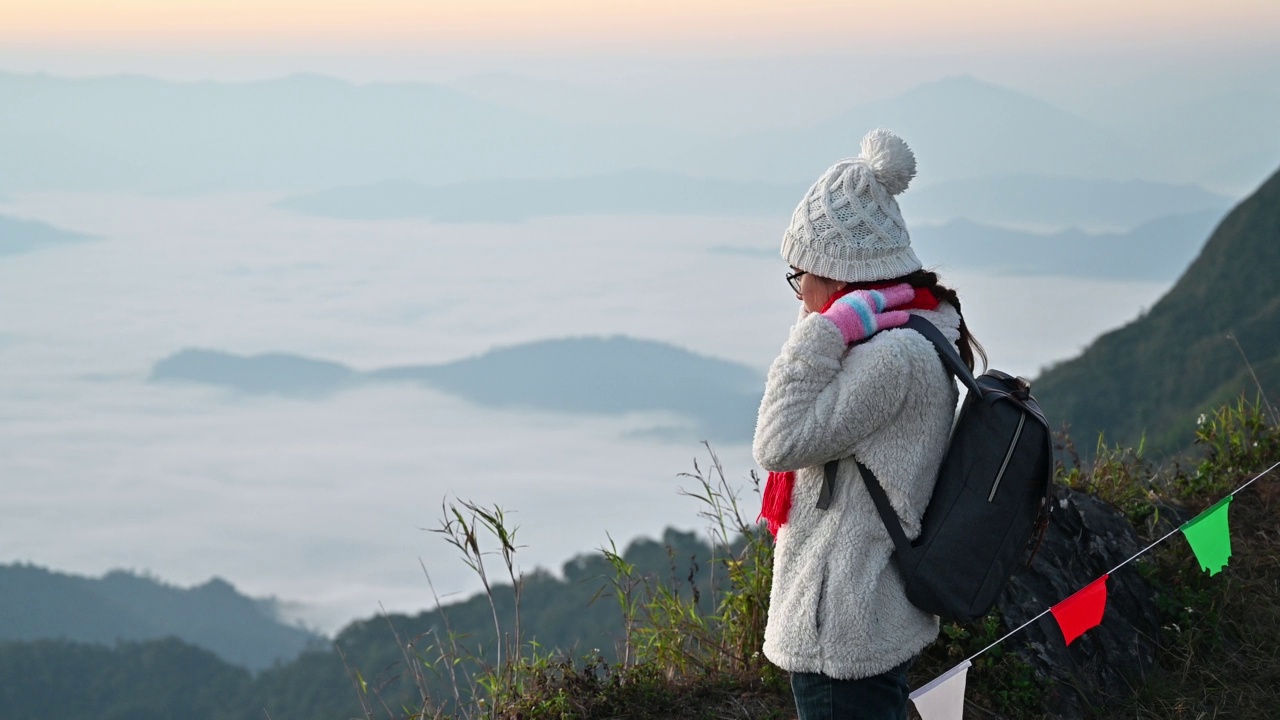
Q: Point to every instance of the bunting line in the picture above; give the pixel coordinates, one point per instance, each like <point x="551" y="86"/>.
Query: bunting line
<point x="1141" y="552"/>
<point x="1255" y="478"/>
<point x="1044" y="612"/>
<point x="969" y="660"/>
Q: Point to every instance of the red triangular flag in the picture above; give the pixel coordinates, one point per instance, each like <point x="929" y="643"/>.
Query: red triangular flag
<point x="1083" y="610"/>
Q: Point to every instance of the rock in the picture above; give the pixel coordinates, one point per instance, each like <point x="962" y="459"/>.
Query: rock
<point x="1085" y="539"/>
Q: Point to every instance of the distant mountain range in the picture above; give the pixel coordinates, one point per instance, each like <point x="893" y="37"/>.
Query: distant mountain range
<point x="1058" y="202"/>
<point x="1169" y="114"/>
<point x="120" y="606"/>
<point x="48" y="675"/>
<point x="1152" y="378"/>
<point x="1176" y="111"/>
<point x="130" y="133"/>
<point x="1157" y="250"/>
<point x="1160" y="249"/>
<point x="308" y="132"/>
<point x="19" y="236"/>
<point x="1043" y="202"/>
<point x="959" y="127"/>
<point x="612" y="376"/>
<point x="638" y="192"/>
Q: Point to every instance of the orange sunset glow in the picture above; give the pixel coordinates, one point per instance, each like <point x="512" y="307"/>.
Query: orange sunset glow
<point x="592" y="24"/>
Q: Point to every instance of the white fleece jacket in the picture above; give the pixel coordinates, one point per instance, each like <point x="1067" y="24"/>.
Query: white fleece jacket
<point x="838" y="606"/>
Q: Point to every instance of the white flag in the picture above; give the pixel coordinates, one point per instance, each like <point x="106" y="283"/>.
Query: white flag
<point x="943" y="697"/>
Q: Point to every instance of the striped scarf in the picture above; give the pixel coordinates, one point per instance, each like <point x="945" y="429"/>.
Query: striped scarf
<point x="776" y="503"/>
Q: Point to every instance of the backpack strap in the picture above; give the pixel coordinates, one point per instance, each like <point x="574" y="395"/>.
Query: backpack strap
<point x="886" y="511"/>
<point x="946" y="352"/>
<point x="828" y="483"/>
<point x="890" y="518"/>
<point x="878" y="496"/>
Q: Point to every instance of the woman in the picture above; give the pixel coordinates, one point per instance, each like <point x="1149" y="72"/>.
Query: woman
<point x="848" y="385"/>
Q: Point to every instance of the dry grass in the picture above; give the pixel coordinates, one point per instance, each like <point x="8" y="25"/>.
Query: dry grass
<point x="1220" y="642"/>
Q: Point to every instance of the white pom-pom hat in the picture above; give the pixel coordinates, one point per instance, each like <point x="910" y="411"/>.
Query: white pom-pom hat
<point x="848" y="226"/>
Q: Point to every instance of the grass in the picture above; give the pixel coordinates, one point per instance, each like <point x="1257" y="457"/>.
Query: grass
<point x="1219" y="642"/>
<point x="1220" y="635"/>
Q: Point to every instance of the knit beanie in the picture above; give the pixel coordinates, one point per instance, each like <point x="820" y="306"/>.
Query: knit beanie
<point x="848" y="226"/>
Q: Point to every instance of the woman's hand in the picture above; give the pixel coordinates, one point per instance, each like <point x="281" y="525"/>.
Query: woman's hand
<point x="862" y="313"/>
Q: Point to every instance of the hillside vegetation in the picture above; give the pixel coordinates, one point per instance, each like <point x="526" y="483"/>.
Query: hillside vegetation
<point x="1153" y="378"/>
<point x="64" y="646"/>
<point x="121" y="606"/>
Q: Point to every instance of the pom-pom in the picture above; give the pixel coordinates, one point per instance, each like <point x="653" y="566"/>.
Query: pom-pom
<point x="890" y="159"/>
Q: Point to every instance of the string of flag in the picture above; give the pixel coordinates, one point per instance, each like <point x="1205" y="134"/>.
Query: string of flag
<point x="1209" y="536"/>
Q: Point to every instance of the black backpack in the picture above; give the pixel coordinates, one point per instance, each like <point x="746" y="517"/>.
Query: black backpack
<point x="991" y="502"/>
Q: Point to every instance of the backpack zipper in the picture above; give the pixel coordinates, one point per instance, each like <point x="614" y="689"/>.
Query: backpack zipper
<point x="1022" y="419"/>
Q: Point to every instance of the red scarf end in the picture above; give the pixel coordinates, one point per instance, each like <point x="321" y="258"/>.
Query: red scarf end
<point x="776" y="504"/>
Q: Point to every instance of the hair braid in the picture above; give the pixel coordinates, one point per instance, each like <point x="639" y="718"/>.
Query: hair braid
<point x="969" y="346"/>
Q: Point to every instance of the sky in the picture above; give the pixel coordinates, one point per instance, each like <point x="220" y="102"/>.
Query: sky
<point x="687" y="24"/>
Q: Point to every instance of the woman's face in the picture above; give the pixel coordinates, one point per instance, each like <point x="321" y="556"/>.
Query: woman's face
<point x="816" y="291"/>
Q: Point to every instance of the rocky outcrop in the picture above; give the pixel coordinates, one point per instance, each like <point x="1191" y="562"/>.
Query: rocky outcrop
<point x="1085" y="539"/>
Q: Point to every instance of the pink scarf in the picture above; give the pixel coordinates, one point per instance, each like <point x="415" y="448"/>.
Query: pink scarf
<point x="776" y="504"/>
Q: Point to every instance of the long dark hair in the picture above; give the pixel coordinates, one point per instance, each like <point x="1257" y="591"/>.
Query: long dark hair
<point x="969" y="346"/>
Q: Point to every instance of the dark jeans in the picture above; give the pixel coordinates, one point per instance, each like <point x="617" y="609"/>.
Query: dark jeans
<point x="879" y="697"/>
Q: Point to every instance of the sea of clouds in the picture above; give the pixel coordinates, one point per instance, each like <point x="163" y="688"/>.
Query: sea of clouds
<point x="327" y="503"/>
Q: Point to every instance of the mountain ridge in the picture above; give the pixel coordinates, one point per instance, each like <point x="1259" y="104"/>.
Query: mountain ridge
<point x="122" y="606"/>
<point x="311" y="131"/>
<point x="167" y="677"/>
<point x="1058" y="201"/>
<point x="1153" y="377"/>
<point x="1039" y="200"/>
<point x="959" y="126"/>
<point x="614" y="375"/>
<point x="19" y="235"/>
<point x="634" y="190"/>
<point x="150" y="134"/>
<point x="1159" y="249"/>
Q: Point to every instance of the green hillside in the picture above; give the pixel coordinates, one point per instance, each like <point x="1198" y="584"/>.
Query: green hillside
<point x="39" y="604"/>
<point x="1156" y="375"/>
<point x="61" y="670"/>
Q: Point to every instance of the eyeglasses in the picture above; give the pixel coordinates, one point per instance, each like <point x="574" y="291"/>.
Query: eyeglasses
<point x="793" y="279"/>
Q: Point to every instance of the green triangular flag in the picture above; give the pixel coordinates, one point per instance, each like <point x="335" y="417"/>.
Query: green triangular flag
<point x="1210" y="537"/>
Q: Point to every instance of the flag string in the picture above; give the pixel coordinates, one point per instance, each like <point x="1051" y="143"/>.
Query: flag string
<point x="1255" y="478"/>
<point x="1135" y="556"/>
<point x="1008" y="634"/>
<point x="1145" y="549"/>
